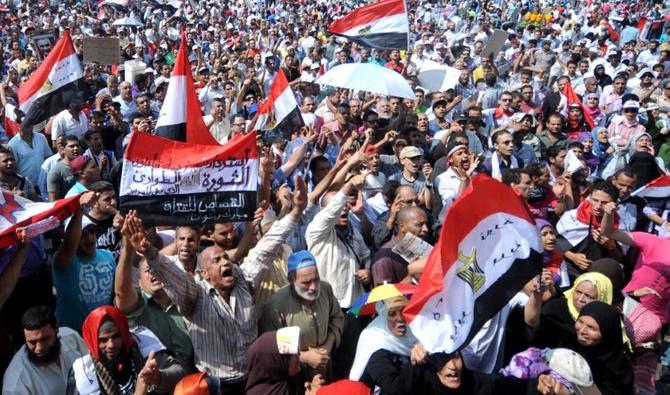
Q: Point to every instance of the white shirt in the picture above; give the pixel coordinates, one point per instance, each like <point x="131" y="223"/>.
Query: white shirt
<point x="24" y="377"/>
<point x="337" y="260"/>
<point x="207" y="95"/>
<point x="447" y="185"/>
<point x="219" y="130"/>
<point x="64" y="124"/>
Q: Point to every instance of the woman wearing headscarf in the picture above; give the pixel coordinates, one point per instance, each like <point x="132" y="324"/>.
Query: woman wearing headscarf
<point x="591" y="101"/>
<point x="121" y="361"/>
<point x="640" y="143"/>
<point x="383" y="347"/>
<point x="599" y="339"/>
<point x="274" y="366"/>
<point x="553" y="259"/>
<point x="601" y="146"/>
<point x="575" y="122"/>
<point x="591" y="159"/>
<point x="446" y="374"/>
<point x="554" y="321"/>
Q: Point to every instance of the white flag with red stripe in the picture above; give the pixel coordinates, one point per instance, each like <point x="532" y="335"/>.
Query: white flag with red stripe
<point x="658" y="188"/>
<point x="175" y="183"/>
<point x="58" y="81"/>
<point x="488" y="250"/>
<point x="381" y="25"/>
<point x="180" y="117"/>
<point x="17" y="212"/>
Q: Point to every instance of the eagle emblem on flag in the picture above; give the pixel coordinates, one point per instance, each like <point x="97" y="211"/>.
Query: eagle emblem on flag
<point x="365" y="30"/>
<point x="471" y="273"/>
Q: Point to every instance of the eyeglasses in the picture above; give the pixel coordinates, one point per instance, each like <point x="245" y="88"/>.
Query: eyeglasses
<point x="631" y="110"/>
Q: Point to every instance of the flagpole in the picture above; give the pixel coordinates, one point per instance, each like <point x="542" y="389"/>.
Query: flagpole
<point x="404" y="3"/>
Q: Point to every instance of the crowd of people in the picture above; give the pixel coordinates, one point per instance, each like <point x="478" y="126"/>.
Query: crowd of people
<point x="571" y="113"/>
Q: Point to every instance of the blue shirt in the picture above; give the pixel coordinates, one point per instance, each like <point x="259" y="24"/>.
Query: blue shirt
<point x="83" y="286"/>
<point x="29" y="159"/>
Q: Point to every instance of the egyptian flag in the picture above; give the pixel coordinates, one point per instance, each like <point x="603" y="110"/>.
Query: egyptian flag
<point x="119" y="4"/>
<point x="180" y="117"/>
<point x="576" y="225"/>
<point x="487" y="251"/>
<point x="279" y="112"/>
<point x="381" y="25"/>
<point x="12" y="123"/>
<point x="37" y="218"/>
<point x="57" y="81"/>
<point x="175" y="183"/>
<point x="658" y="188"/>
<point x="572" y="97"/>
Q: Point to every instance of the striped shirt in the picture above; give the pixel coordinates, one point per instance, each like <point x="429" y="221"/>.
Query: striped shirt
<point x="222" y="331"/>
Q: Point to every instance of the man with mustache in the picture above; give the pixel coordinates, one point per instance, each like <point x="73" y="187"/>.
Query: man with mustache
<point x="121" y="361"/>
<point x="218" y="307"/>
<point x="41" y="366"/>
<point x="310" y="304"/>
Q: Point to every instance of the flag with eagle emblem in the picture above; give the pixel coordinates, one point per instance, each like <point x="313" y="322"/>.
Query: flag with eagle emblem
<point x="487" y="251"/>
<point x="58" y="81"/>
<point x="381" y="25"/>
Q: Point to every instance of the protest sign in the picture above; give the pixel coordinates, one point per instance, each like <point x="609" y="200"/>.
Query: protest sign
<point x="43" y="42"/>
<point x="495" y="43"/>
<point x="175" y="183"/>
<point x="102" y="50"/>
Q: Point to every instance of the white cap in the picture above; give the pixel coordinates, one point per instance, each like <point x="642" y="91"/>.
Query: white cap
<point x="572" y="367"/>
<point x="631" y="104"/>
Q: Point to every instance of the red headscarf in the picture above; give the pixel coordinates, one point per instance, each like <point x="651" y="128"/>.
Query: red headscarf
<point x="344" y="387"/>
<point x="92" y="325"/>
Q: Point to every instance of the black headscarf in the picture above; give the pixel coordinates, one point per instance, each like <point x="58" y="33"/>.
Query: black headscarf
<point x="644" y="165"/>
<point x="268" y="370"/>
<point x="611" y="368"/>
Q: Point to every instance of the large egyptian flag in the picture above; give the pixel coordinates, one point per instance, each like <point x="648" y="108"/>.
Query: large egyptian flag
<point x="658" y="188"/>
<point x="180" y="117"/>
<point x="280" y="112"/>
<point x="18" y="212"/>
<point x="381" y="25"/>
<point x="175" y="183"/>
<point x="57" y="81"/>
<point x="488" y="250"/>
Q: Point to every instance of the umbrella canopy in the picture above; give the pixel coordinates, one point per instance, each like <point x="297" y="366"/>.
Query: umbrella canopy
<point x="365" y="305"/>
<point x="367" y="77"/>
<point x="131" y="22"/>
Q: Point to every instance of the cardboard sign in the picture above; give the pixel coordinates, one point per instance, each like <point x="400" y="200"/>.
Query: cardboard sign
<point x="102" y="50"/>
<point x="495" y="43"/>
<point x="43" y="42"/>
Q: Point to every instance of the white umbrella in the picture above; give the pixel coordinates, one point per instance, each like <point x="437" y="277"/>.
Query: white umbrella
<point x="131" y="22"/>
<point x="437" y="77"/>
<point x="367" y="77"/>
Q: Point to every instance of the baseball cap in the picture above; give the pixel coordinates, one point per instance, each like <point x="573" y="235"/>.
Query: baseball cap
<point x="631" y="104"/>
<point x="572" y="367"/>
<point x="410" y="152"/>
<point x="300" y="259"/>
<point x="78" y="163"/>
